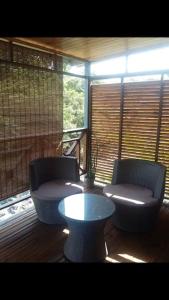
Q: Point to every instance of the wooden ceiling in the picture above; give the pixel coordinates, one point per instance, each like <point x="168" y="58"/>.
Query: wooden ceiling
<point x="94" y="48"/>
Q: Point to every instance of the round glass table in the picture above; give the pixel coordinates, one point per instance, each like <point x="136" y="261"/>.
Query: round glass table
<point x="86" y="216"/>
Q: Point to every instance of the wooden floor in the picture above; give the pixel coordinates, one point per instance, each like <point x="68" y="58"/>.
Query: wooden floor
<point x="25" y="239"/>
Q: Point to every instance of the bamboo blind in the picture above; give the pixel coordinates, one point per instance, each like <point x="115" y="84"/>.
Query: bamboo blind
<point x="140" y="119"/>
<point x="31" y="114"/>
<point x="105" y="127"/>
<point x="163" y="154"/>
<point x="144" y="118"/>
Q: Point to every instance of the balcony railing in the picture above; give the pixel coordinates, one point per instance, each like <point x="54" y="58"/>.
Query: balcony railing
<point x="75" y="144"/>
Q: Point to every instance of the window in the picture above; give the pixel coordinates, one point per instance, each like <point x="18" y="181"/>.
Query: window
<point x="149" y="60"/>
<point x="106" y="81"/>
<point x="17" y="208"/>
<point x="14" y="199"/>
<point x="74" y="66"/>
<point x="108" y="67"/>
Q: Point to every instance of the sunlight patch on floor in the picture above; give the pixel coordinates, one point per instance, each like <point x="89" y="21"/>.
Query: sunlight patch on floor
<point x="109" y="259"/>
<point x="125" y="198"/>
<point x="75" y="185"/>
<point x="131" y="258"/>
<point x="66" y="231"/>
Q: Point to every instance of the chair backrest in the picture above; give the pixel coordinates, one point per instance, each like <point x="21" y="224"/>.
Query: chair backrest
<point x="50" y="168"/>
<point x="141" y="172"/>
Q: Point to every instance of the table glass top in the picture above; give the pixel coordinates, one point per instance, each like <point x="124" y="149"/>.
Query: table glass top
<point x="86" y="207"/>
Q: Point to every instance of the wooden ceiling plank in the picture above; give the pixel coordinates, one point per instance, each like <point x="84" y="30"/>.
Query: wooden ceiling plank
<point x="93" y="48"/>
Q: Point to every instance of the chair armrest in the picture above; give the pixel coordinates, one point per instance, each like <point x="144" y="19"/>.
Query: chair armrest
<point x="33" y="176"/>
<point x="115" y="177"/>
<point x="160" y="185"/>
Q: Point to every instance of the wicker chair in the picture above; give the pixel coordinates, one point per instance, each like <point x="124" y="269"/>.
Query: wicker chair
<point x="52" y="179"/>
<point x="137" y="189"/>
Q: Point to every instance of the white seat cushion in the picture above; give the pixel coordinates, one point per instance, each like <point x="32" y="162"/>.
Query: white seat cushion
<point x="57" y="189"/>
<point x="130" y="194"/>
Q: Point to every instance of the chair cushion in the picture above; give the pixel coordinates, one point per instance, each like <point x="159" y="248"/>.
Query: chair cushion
<point x="130" y="194"/>
<point x="57" y="189"/>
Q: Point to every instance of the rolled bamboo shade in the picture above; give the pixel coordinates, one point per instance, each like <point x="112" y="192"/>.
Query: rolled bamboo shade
<point x="31" y="113"/>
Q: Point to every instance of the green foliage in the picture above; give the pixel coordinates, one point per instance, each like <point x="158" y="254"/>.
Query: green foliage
<point x="73" y="103"/>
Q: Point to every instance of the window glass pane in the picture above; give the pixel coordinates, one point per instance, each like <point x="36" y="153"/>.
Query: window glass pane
<point x="111" y="66"/>
<point x="150" y="60"/>
<point x="15" y="209"/>
<point x="74" y="66"/>
<point x="142" y="78"/>
<point x="13" y="199"/>
<point x="166" y="77"/>
<point x="107" y="81"/>
<point x="73" y="102"/>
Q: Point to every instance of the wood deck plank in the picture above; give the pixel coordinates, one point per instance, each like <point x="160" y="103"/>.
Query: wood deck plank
<point x="25" y="239"/>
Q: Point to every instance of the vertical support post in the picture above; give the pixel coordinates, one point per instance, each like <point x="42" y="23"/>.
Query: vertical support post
<point x="86" y="102"/>
<point x="88" y="114"/>
<point x="79" y="145"/>
<point x="159" y="117"/>
<point x="121" y="117"/>
<point x="84" y="152"/>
